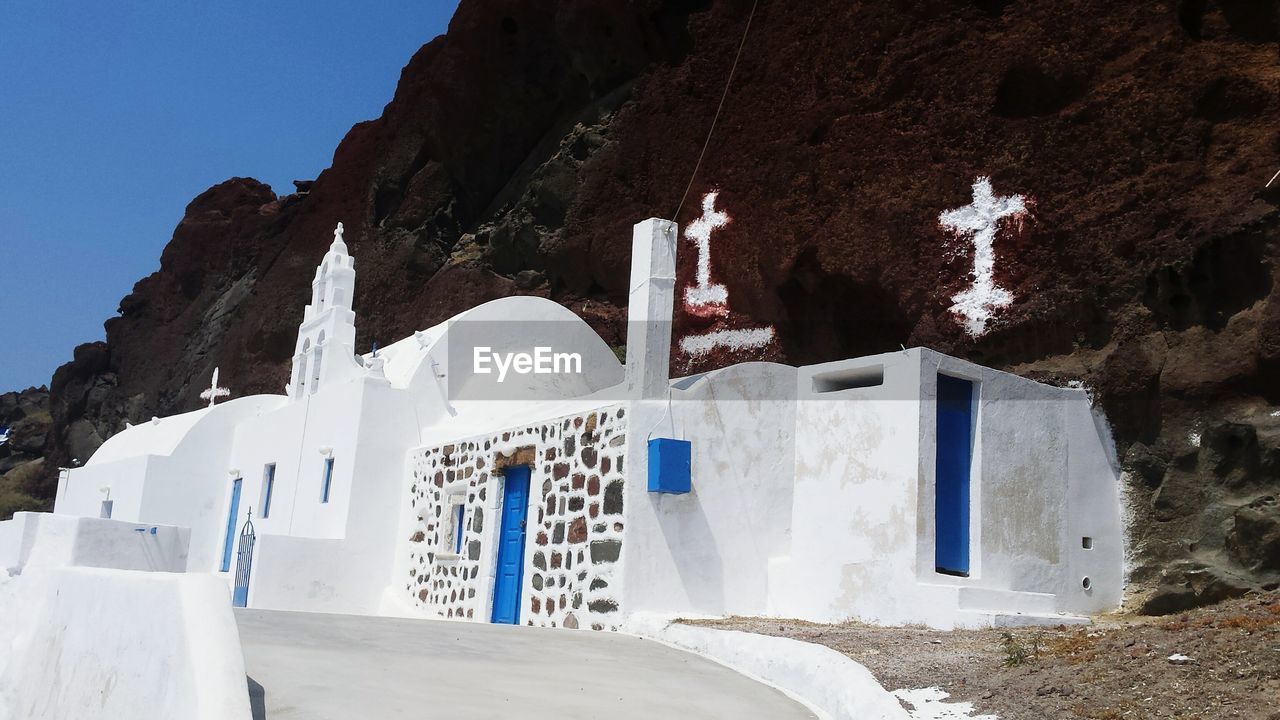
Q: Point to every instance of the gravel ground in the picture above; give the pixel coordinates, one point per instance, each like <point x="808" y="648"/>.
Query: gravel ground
<point x="1119" y="667"/>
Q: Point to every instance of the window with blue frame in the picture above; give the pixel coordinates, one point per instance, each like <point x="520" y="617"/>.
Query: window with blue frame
<point x="232" y="513"/>
<point x="268" y="485"/>
<point x="328" y="480"/>
<point x="453" y="524"/>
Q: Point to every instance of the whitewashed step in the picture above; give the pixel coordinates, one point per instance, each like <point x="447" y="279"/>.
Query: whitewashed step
<point x="987" y="619"/>
<point x="1007" y="601"/>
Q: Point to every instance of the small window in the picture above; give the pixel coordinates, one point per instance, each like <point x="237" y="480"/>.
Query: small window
<point x="1086" y="543"/>
<point x="328" y="480"/>
<point x="849" y="379"/>
<point x="268" y="484"/>
<point x="460" y="514"/>
<point x="451" y="542"/>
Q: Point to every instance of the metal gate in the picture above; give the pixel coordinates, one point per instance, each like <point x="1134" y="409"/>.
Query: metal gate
<point x="244" y="563"/>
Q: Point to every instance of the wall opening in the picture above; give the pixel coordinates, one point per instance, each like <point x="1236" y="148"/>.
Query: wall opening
<point x="315" y="363"/>
<point x="268" y="485"/>
<point x="454" y="530"/>
<point x="952" y="465"/>
<point x="231" y="525"/>
<point x="327" y="481"/>
<point x="105" y="511"/>
<point x="1086" y="543"/>
<point x="850" y="379"/>
<point x="323" y="286"/>
<point x="304" y="367"/>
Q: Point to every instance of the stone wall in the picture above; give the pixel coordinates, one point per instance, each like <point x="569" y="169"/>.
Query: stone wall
<point x="573" y="547"/>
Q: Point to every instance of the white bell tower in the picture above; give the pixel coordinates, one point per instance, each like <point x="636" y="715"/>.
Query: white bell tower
<point x="327" y="336"/>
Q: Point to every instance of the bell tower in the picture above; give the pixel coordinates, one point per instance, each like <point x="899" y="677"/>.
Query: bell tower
<point x="327" y="336"/>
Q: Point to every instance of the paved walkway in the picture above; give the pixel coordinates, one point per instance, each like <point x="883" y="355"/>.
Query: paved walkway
<point x="343" y="667"/>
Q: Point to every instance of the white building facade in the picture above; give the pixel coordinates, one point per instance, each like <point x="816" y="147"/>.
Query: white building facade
<point x="909" y="487"/>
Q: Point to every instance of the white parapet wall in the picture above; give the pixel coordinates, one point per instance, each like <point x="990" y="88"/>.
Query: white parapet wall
<point x="92" y="643"/>
<point x="49" y="540"/>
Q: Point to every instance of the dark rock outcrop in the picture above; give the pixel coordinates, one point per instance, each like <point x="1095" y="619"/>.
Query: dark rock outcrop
<point x="22" y="467"/>
<point x="521" y="146"/>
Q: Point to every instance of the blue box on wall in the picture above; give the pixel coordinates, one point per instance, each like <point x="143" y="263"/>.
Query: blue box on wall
<point x="669" y="465"/>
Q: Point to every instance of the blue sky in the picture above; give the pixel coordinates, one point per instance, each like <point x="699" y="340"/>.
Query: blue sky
<point x="113" y="116"/>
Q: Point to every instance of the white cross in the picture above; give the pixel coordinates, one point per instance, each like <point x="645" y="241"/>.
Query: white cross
<point x="980" y="219"/>
<point x="214" y="392"/>
<point x="705" y="297"/>
<point x="710" y="299"/>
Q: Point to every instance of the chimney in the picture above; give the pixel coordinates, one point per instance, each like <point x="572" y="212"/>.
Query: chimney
<point x="649" y="307"/>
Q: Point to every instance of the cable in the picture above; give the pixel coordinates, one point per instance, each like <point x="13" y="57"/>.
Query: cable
<point x="728" y="83"/>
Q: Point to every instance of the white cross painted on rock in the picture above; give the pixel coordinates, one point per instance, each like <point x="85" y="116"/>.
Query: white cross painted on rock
<point x="980" y="219"/>
<point x="214" y="392"/>
<point x="748" y="339"/>
<point x="708" y="297"/>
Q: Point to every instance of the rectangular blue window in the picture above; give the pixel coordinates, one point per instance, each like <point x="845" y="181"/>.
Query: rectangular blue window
<point x="232" y="513"/>
<point x="328" y="480"/>
<point x="460" y="512"/>
<point x="268" y="484"/>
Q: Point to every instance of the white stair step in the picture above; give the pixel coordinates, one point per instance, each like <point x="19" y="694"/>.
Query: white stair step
<point x="1007" y="601"/>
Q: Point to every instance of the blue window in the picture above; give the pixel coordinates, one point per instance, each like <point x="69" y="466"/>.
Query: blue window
<point x="232" y="512"/>
<point x="459" y="512"/>
<point x="268" y="484"/>
<point x="328" y="480"/>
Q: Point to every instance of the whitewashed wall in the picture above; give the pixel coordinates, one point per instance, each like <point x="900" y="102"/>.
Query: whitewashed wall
<point x="172" y="472"/>
<point x="575" y="543"/>
<point x="853" y="541"/>
<point x="1044" y="478"/>
<point x="863" y="519"/>
<point x="95" y="644"/>
<point x="335" y="556"/>
<point x="49" y="540"/>
<point x="708" y="551"/>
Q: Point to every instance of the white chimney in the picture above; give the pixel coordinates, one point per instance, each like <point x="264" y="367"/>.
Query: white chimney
<point x="649" y="306"/>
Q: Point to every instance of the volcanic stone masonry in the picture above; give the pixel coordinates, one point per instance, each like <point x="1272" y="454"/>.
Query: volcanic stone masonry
<point x="573" y="547"/>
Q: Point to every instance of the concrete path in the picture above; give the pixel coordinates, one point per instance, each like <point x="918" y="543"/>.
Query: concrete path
<point x="343" y="667"/>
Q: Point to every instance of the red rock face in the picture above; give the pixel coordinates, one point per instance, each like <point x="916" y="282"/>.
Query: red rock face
<point x="522" y="146"/>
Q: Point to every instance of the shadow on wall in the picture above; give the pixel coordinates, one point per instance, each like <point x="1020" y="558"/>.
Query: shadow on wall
<point x="686" y="530"/>
<point x="257" y="699"/>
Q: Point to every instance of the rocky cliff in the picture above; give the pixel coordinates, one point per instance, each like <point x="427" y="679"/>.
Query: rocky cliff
<point x="25" y="423"/>
<point x="521" y="146"/>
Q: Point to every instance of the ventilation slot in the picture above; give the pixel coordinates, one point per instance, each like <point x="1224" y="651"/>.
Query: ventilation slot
<point x="851" y="379"/>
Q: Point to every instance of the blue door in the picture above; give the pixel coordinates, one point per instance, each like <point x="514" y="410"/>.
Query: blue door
<point x="954" y="458"/>
<point x="231" y="526"/>
<point x="506" y="587"/>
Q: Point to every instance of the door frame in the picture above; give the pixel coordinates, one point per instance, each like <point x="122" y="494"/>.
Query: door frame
<point x="500" y="513"/>
<point x="970" y="514"/>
